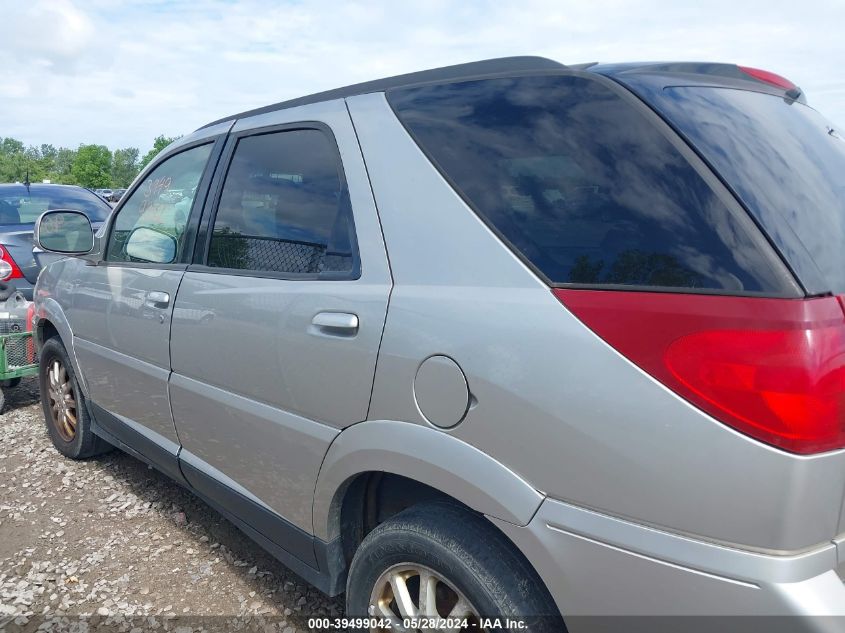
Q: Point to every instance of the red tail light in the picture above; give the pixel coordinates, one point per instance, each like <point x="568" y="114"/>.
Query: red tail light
<point x="768" y="77"/>
<point x="773" y="369"/>
<point x="8" y="267"/>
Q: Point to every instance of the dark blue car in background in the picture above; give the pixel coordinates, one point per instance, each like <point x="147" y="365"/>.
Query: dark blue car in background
<point x="20" y="206"/>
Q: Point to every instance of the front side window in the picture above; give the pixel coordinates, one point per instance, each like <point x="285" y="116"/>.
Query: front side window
<point x="284" y="208"/>
<point x="583" y="185"/>
<point x="161" y="206"/>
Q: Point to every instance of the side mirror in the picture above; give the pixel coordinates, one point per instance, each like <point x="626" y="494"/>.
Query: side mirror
<point x="64" y="231"/>
<point x="151" y="245"/>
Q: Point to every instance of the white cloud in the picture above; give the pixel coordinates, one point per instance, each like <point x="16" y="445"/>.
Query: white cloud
<point x="49" y="35"/>
<point x="119" y="73"/>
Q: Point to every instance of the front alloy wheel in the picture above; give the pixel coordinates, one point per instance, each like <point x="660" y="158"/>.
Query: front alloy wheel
<point x="65" y="408"/>
<point x="62" y="402"/>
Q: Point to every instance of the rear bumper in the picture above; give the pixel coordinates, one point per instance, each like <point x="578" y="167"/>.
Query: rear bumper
<point x="598" y="565"/>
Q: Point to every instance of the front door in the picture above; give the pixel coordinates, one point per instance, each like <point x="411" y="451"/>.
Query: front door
<point x="121" y="308"/>
<point x="277" y="325"/>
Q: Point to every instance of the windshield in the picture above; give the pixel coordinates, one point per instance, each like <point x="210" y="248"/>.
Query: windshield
<point x="21" y="206"/>
<point x="787" y="164"/>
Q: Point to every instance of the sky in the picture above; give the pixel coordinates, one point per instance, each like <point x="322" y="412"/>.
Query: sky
<point x="119" y="73"/>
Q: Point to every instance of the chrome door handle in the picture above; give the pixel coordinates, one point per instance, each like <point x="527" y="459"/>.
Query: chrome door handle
<point x="158" y="299"/>
<point x="338" y="323"/>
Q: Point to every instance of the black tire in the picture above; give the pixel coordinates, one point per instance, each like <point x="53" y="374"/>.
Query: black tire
<point x="463" y="548"/>
<point x="2" y="401"/>
<point x="83" y="444"/>
<point x="10" y="383"/>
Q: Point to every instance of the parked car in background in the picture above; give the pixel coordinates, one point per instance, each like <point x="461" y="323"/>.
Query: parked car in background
<point x="20" y="206"/>
<point x="116" y="195"/>
<point x="523" y="339"/>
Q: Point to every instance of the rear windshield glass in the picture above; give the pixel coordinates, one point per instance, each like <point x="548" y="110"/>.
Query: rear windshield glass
<point x="21" y="206"/>
<point x="583" y="186"/>
<point x="785" y="161"/>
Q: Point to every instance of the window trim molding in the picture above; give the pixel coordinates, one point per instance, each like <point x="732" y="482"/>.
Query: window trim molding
<point x="199" y="262"/>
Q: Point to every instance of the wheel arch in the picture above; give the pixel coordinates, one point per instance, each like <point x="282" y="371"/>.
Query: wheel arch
<point x="50" y="321"/>
<point x="431" y="458"/>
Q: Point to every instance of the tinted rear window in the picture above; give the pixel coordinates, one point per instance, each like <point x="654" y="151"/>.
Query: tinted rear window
<point x="786" y="162"/>
<point x="583" y="186"/>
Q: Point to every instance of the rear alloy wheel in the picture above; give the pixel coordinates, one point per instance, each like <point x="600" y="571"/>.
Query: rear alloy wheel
<point x="65" y="409"/>
<point x="416" y="591"/>
<point x="438" y="566"/>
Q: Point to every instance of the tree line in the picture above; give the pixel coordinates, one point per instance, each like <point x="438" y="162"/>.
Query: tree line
<point x="92" y="166"/>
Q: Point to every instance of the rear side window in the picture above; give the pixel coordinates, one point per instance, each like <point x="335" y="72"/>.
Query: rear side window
<point x="583" y="186"/>
<point x="284" y="208"/>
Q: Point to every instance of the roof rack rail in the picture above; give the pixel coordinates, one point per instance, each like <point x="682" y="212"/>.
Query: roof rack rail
<point x="446" y="73"/>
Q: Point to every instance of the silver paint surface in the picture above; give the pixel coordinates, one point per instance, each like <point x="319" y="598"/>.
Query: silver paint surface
<point x="556" y="404"/>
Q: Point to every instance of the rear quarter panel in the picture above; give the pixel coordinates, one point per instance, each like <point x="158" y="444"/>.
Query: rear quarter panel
<point x="555" y="404"/>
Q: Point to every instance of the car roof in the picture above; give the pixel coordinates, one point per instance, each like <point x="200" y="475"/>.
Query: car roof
<point x="484" y="68"/>
<point x="702" y="73"/>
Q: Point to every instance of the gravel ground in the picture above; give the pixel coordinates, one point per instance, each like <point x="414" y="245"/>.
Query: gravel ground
<point x="111" y="544"/>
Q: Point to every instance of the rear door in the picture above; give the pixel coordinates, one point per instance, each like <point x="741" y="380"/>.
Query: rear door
<point x="121" y="307"/>
<point x="278" y="321"/>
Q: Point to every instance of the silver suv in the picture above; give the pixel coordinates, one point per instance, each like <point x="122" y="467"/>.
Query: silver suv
<point x="509" y="339"/>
